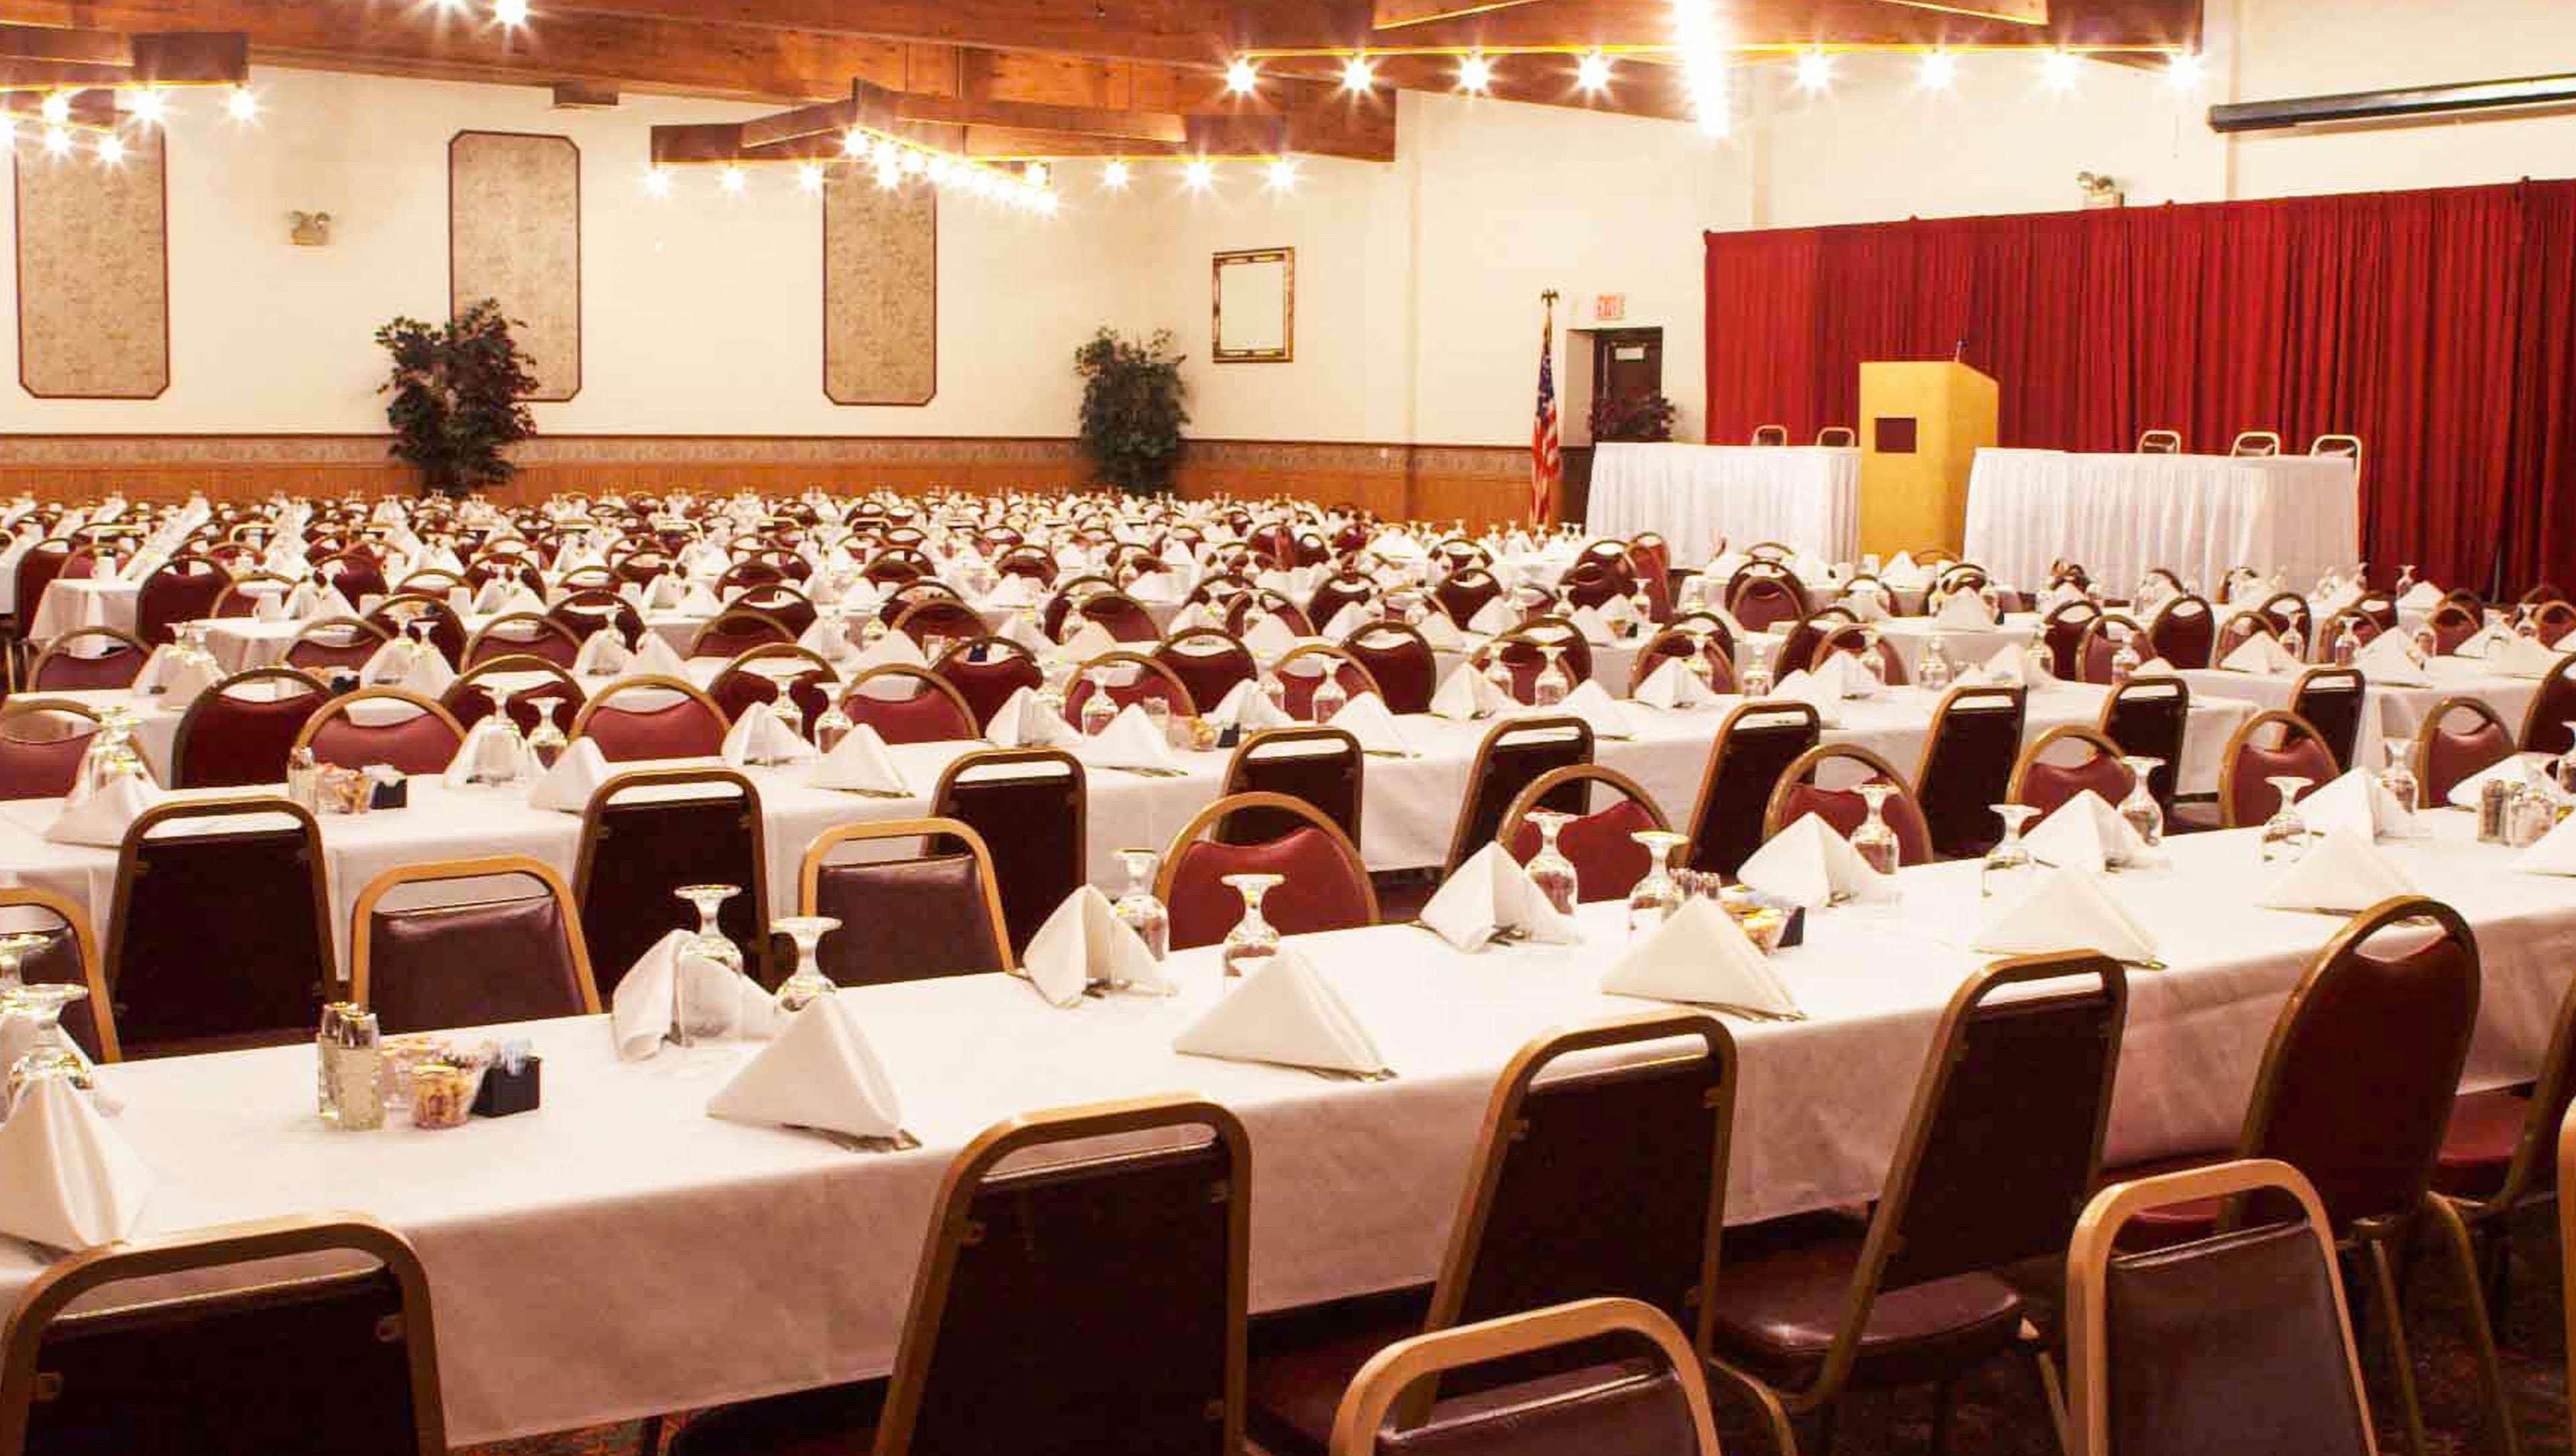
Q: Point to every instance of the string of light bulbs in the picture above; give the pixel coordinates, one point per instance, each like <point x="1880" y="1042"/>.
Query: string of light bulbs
<point x="141" y="108"/>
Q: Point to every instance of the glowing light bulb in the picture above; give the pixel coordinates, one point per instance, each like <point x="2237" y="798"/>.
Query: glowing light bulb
<point x="731" y="178"/>
<point x="1242" y="77"/>
<point x="1940" y="68"/>
<point x="2183" y="72"/>
<point x="1046" y="204"/>
<point x="938" y="171"/>
<point x="854" y="143"/>
<point x="914" y="163"/>
<point x="57" y="107"/>
<point x="1592" y="73"/>
<point x="1035" y="174"/>
<point x="147" y="107"/>
<point x="657" y="182"/>
<point x="809" y="177"/>
<point x="1358" y="74"/>
<point x="1117" y="175"/>
<point x="889" y="173"/>
<point x="111" y="149"/>
<point x="1283" y="175"/>
<point x="512" y="13"/>
<point x="1815" y="70"/>
<point x="1199" y="174"/>
<point x="58" y="142"/>
<point x="1475" y="75"/>
<point x="2059" y="70"/>
<point x="242" y="104"/>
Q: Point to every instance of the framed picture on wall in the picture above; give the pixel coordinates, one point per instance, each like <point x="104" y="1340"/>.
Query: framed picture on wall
<point x="1253" y="310"/>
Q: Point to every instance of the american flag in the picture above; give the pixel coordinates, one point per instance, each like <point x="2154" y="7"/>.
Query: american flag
<point x="1547" y="456"/>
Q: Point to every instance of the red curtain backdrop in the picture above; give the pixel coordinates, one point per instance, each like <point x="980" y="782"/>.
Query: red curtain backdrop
<point x="2438" y="326"/>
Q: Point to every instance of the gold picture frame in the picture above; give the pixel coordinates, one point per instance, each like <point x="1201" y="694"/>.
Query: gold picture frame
<point x="1261" y="327"/>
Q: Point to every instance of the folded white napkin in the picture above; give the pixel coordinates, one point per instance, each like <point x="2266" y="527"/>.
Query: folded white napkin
<point x="1964" y="609"/>
<point x="518" y="598"/>
<point x="1024" y="722"/>
<point x="2423" y="596"/>
<point x="2555" y="854"/>
<point x="757" y="737"/>
<point x="640" y="1012"/>
<point x="829" y="639"/>
<point x="1441" y="633"/>
<point x="393" y="665"/>
<point x="1490" y="894"/>
<point x="1845" y="675"/>
<point x="1191" y="618"/>
<point x="2086" y="833"/>
<point x="1810" y="863"/>
<point x="860" y="761"/>
<point x="575" y="777"/>
<point x="666" y="593"/>
<point x="1084" y="941"/>
<point x="1366" y="718"/>
<point x="67" y="1181"/>
<point x="1672" y="685"/>
<point x="2523" y="657"/>
<point x="1903" y="574"/>
<point x="1592" y="703"/>
<point x="820" y="1072"/>
<point x="2384" y="660"/>
<point x="1286" y="1013"/>
<point x="2342" y="872"/>
<point x="268" y="606"/>
<point x="655" y="657"/>
<point x="1700" y="956"/>
<point x="2157" y="667"/>
<point x="2356" y="801"/>
<point x="1130" y="741"/>
<point x="1800" y="687"/>
<point x="1465" y="695"/>
<point x="1248" y="708"/>
<point x="490" y="754"/>
<point x="2009" y="666"/>
<point x="2066" y="910"/>
<point x="1594" y="627"/>
<point x="1351" y="618"/>
<point x="1088" y="641"/>
<point x="894" y="649"/>
<point x="2519" y="768"/>
<point x="1868" y="602"/>
<point x="1494" y="618"/>
<point x="102" y="817"/>
<point x="327" y="603"/>
<point x="2260" y="654"/>
<point x="174" y="679"/>
<point x="1015" y="590"/>
<point x="604" y="655"/>
<point x="1270" y="639"/>
<point x="697" y="599"/>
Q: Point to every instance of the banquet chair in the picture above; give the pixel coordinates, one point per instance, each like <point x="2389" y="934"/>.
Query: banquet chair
<point x="1025" y="1334"/>
<point x="345" y="643"/>
<point x="70" y="958"/>
<point x="2241" y="628"/>
<point x="2363" y="625"/>
<point x="1129" y="678"/>
<point x="1655" y="1406"/>
<point x="1771" y="435"/>
<point x="219" y="929"/>
<point x="2001" y="1145"/>
<point x="2444" y="757"/>
<point x="809" y="683"/>
<point x="1523" y="651"/>
<point x="1967" y="767"/>
<point x="1462" y="594"/>
<point x="685" y="724"/>
<point x="586" y="613"/>
<point x="456" y="962"/>
<point x="355" y="573"/>
<point x="1207" y="662"/>
<point x="42" y="744"/>
<point x="1123" y="617"/>
<point x="945" y="617"/>
<point x="936" y="911"/>
<point x="2356" y="1090"/>
<point x="790" y="607"/>
<point x="2289" y="612"/>
<point x="2494" y="1161"/>
<point x="2346" y="447"/>
<point x="182" y="589"/>
<point x="1051" y="617"/>
<point x="523" y="634"/>
<point x="2540" y="594"/>
<point x="1595" y="1183"/>
<point x="735" y="631"/>
<point x="432" y="581"/>
<point x="2552" y="621"/>
<point x="2044" y="785"/>
<point x="1324" y="885"/>
<point x="227" y="738"/>
<point x="2241" y="1341"/>
<point x="467" y="703"/>
<point x="2183" y="632"/>
<point x="2544" y="723"/>
<point x="2452" y="624"/>
<point x="1753" y="747"/>
<point x="1513" y="753"/>
<point x="1607" y="861"/>
<point x="1590" y="584"/>
<point x="1319" y="767"/>
<point x="1341" y="589"/>
<point x="1030" y="561"/>
<point x="1030" y="806"/>
<point x="2332" y="700"/>
<point x="2160" y="442"/>
<point x="1238" y="612"/>
<point x="2063" y="631"/>
<point x="1400" y="661"/>
<point x="1852" y="640"/>
<point x="648" y="832"/>
<point x="1763" y="594"/>
<point x="1299" y="686"/>
<point x="1837" y="437"/>
<point x="986" y="671"/>
<point x="236" y="598"/>
<point x="2101" y="641"/>
<point x="2245" y="798"/>
<point x="422" y="741"/>
<point x="894" y="566"/>
<point x="87" y="658"/>
<point x="1671" y="645"/>
<point x="2255" y="445"/>
<point x="446" y="629"/>
<point x="1801" y="791"/>
<point x="257" y="1357"/>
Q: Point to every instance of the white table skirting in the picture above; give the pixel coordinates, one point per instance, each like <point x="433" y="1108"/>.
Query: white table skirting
<point x="2123" y="515"/>
<point x="1807" y="498"/>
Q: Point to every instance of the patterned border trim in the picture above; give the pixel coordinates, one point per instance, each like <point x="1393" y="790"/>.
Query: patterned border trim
<point x="1500" y="462"/>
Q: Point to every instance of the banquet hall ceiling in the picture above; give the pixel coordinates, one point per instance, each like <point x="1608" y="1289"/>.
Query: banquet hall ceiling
<point x="1065" y="77"/>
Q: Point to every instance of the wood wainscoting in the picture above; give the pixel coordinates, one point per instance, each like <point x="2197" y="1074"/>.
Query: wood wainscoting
<point x="1478" y="484"/>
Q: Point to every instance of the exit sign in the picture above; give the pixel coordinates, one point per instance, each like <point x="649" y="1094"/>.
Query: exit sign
<point x="1609" y="308"/>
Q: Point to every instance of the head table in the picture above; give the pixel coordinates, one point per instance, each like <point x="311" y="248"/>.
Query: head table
<point x="618" y="1252"/>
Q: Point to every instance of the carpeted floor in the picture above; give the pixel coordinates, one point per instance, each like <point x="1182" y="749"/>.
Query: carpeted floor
<point x="2000" y="1411"/>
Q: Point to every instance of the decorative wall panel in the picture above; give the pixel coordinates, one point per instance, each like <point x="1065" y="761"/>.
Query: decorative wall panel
<point x="514" y="234"/>
<point x="880" y="291"/>
<point x="93" y="271"/>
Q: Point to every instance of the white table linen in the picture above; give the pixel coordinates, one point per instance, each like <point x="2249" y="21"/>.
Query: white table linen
<point x="2390" y="714"/>
<point x="1805" y="497"/>
<point x="2121" y="515"/>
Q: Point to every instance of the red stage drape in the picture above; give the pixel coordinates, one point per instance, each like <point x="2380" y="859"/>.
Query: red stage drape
<point x="2438" y="326"/>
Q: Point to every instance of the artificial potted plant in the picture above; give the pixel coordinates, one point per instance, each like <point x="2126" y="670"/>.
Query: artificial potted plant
<point x="456" y="390"/>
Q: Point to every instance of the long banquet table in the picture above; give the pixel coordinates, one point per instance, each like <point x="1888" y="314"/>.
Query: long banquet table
<point x="1805" y="497"/>
<point x="618" y="1253"/>
<point x="2122" y="515"/>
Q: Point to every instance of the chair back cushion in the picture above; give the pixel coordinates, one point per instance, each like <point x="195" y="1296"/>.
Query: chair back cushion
<point x="906" y="920"/>
<point x="2046" y="786"/>
<point x="470" y="965"/>
<point x="1744" y="767"/>
<point x="1607" y="862"/>
<point x="419" y="744"/>
<point x="1630" y="1412"/>
<point x="1033" y="825"/>
<point x="227" y="741"/>
<point x="1510" y="765"/>
<point x="988" y="684"/>
<point x="2450" y="757"/>
<point x="1846" y="811"/>
<point x="42" y="768"/>
<point x="642" y="851"/>
<point x="2254" y="799"/>
<point x="1966" y="770"/>
<point x="1323" y="890"/>
<point x="217" y="940"/>
<point x="928" y="716"/>
<point x="685" y="728"/>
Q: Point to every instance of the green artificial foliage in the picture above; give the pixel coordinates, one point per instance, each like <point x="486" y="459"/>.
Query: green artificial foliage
<point x="456" y="389"/>
<point x="1134" y="403"/>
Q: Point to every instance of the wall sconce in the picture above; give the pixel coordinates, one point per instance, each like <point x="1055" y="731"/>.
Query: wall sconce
<point x="309" y="229"/>
<point x="2100" y="190"/>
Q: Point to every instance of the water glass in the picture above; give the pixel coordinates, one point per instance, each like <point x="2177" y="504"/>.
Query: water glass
<point x="2009" y="868"/>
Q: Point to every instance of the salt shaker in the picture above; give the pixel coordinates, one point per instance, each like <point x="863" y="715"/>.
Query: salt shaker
<point x="351" y="1050"/>
<point x="2495" y="803"/>
<point x="304" y="780"/>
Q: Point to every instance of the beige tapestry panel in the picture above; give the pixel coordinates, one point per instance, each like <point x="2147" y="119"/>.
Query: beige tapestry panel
<point x="93" y="272"/>
<point x="880" y="291"/>
<point x="514" y="234"/>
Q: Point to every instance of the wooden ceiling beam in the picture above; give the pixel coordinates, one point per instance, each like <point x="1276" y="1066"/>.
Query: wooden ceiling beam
<point x="66" y="46"/>
<point x="1031" y="116"/>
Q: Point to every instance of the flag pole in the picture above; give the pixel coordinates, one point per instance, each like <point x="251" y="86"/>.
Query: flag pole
<point x="1547" y="458"/>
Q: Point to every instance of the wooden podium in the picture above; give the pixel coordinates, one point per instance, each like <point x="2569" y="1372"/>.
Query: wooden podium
<point x="1921" y="426"/>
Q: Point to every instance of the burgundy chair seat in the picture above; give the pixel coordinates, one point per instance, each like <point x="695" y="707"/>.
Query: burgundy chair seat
<point x="1320" y="892"/>
<point x="64" y="672"/>
<point x="925" y="717"/>
<point x="1295" y="1390"/>
<point x="420" y="744"/>
<point x="2485" y="1129"/>
<point x="1607" y="863"/>
<point x="1778" y="1313"/>
<point x="685" y="729"/>
<point x="2045" y="786"/>
<point x="41" y="768"/>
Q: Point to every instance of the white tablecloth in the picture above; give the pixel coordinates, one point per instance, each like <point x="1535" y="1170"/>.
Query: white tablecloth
<point x="617" y="1252"/>
<point x="2123" y="515"/>
<point x="1804" y="497"/>
<point x="2392" y="714"/>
